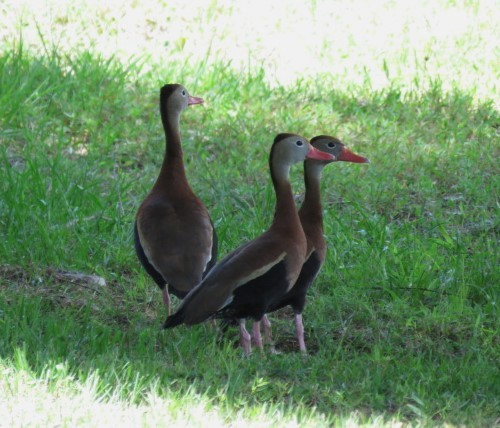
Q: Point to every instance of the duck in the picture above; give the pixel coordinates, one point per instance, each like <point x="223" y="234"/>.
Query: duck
<point x="253" y="277"/>
<point x="174" y="236"/>
<point x="311" y="219"/>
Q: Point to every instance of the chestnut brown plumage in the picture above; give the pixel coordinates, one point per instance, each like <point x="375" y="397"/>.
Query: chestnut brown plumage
<point x="311" y="218"/>
<point x="175" y="239"/>
<point x="249" y="280"/>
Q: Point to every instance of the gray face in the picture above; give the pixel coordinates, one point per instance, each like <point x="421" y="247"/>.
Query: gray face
<point x="178" y="100"/>
<point x="329" y="145"/>
<point x="291" y="150"/>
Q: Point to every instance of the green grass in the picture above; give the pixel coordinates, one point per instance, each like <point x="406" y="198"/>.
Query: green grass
<point x="402" y="324"/>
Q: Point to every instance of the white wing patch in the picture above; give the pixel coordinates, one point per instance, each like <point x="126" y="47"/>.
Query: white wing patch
<point x="259" y="272"/>
<point x="227" y="302"/>
<point x="309" y="254"/>
<point x="253" y="275"/>
<point x="209" y="255"/>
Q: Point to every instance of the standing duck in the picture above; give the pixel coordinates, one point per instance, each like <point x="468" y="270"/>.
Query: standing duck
<point x="311" y="218"/>
<point x="175" y="239"/>
<point x="256" y="275"/>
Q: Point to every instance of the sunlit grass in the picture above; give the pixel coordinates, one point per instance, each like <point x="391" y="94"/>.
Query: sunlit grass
<point x="402" y="324"/>
<point x="379" y="43"/>
<point x="56" y="397"/>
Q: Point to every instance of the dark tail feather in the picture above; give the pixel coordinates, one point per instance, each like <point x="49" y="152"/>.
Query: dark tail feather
<point x="174" y="320"/>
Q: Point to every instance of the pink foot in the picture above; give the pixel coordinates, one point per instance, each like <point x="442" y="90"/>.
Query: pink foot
<point x="299" y="328"/>
<point x="268" y="336"/>
<point x="257" y="338"/>
<point x="166" y="299"/>
<point x="245" y="338"/>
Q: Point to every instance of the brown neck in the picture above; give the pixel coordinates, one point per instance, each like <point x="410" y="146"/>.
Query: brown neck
<point x="285" y="215"/>
<point x="172" y="168"/>
<point x="311" y="209"/>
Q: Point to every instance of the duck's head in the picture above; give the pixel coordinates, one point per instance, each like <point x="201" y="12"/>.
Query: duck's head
<point x="336" y="148"/>
<point x="291" y="148"/>
<point x="175" y="98"/>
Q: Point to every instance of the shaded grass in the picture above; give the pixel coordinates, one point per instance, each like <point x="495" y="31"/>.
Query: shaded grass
<point x="403" y="321"/>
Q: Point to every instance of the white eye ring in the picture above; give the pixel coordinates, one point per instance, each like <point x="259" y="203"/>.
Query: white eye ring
<point x="299" y="143"/>
<point x="183" y="92"/>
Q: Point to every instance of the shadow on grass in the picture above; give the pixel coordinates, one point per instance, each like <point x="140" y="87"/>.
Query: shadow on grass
<point x="406" y="325"/>
<point x="374" y="366"/>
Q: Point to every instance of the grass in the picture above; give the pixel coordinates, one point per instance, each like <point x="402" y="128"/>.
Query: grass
<point x="402" y="324"/>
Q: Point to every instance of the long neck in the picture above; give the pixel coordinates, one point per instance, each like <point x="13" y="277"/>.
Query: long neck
<point x="285" y="211"/>
<point x="172" y="167"/>
<point x="311" y="208"/>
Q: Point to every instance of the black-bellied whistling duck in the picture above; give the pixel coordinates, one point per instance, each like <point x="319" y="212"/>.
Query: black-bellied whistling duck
<point x="311" y="218"/>
<point x="256" y="275"/>
<point x="175" y="239"/>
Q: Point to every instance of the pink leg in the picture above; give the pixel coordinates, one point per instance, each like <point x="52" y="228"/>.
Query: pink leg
<point x="246" y="340"/>
<point x="257" y="338"/>
<point x="299" y="328"/>
<point x="268" y="337"/>
<point x="166" y="299"/>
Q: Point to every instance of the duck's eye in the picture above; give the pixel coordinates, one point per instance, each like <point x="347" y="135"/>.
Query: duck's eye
<point x="183" y="92"/>
<point x="331" y="145"/>
<point x="299" y="143"/>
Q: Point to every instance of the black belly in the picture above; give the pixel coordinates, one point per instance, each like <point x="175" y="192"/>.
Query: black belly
<point x="296" y="297"/>
<point x="157" y="277"/>
<point x="253" y="299"/>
